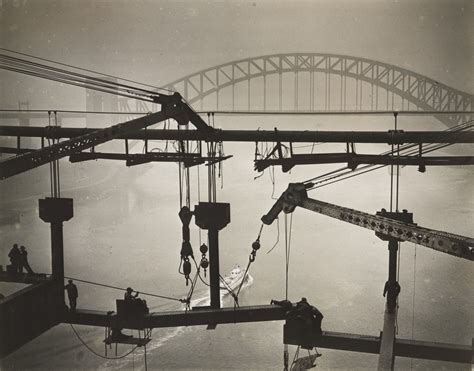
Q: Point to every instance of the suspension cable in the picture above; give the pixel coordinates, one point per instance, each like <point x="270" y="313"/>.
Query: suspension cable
<point x="407" y="149"/>
<point x="84" y="69"/>
<point x="122" y="289"/>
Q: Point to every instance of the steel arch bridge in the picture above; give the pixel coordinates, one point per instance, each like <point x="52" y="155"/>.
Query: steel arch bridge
<point x="318" y="82"/>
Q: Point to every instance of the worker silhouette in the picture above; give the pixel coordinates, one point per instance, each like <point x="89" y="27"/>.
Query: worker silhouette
<point x="24" y="261"/>
<point x="72" y="295"/>
<point x="133" y="303"/>
<point x="306" y="320"/>
<point x="128" y="296"/>
<point x="392" y="288"/>
<point x="15" y="257"/>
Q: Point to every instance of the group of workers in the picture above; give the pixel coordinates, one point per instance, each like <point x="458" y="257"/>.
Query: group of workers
<point x="19" y="260"/>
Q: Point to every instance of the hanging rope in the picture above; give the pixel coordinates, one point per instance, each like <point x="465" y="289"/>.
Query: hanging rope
<point x="97" y="354"/>
<point x="199" y="199"/>
<point x="278" y="236"/>
<point x="56" y="162"/>
<point x="295" y="357"/>
<point x="287" y="251"/>
<point x="413" y="302"/>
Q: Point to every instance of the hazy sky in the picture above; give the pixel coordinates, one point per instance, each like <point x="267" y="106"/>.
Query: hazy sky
<point x="159" y="41"/>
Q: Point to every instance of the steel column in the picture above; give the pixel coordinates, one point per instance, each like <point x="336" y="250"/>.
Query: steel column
<point x="214" y="274"/>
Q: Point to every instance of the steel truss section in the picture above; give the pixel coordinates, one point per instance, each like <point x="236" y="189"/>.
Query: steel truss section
<point x="27" y="161"/>
<point x="448" y="243"/>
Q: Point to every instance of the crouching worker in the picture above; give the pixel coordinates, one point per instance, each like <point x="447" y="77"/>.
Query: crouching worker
<point x="303" y="324"/>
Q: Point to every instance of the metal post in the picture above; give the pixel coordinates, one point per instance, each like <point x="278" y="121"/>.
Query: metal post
<point x="387" y="344"/>
<point x="214" y="268"/>
<point x="57" y="250"/>
<point x="213" y="217"/>
<point x="392" y="259"/>
<point x="56" y="211"/>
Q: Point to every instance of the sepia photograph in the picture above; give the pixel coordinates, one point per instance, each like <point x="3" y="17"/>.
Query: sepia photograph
<point x="236" y="185"/>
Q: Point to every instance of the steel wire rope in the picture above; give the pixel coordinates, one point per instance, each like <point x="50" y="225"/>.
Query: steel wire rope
<point x="86" y="70"/>
<point x="278" y="236"/>
<point x="187" y="301"/>
<point x="123" y="113"/>
<point x="56" y="162"/>
<point x="76" y="84"/>
<point x="230" y="291"/>
<point x="50" y="164"/>
<point x="297" y="352"/>
<point x="413" y="302"/>
<point x="67" y="75"/>
<point x="199" y="273"/>
<point x="121" y="288"/>
<point x="337" y="113"/>
<point x="369" y="168"/>
<point x="242" y="282"/>
<point x="287" y="251"/>
<point x="360" y="171"/>
<point x="457" y="128"/>
<point x="97" y="354"/>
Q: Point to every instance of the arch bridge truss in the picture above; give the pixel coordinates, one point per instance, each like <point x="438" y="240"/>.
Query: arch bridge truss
<point x="319" y="82"/>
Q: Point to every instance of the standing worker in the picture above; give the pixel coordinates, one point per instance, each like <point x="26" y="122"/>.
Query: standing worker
<point x="72" y="295"/>
<point x="15" y="257"/>
<point x="24" y="261"/>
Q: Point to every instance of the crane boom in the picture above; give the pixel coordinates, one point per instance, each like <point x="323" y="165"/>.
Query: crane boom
<point x="174" y="108"/>
<point x="449" y="243"/>
<point x="30" y="160"/>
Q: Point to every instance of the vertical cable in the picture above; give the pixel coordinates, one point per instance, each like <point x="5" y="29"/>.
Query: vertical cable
<point x="398" y="166"/>
<point x="413" y="310"/>
<point x="50" y="164"/>
<point x="286" y="256"/>
<point x="180" y="186"/>
<point x="199" y="199"/>
<point x="58" y="180"/>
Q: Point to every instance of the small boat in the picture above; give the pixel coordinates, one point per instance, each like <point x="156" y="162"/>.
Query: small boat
<point x="233" y="281"/>
<point x="305" y="363"/>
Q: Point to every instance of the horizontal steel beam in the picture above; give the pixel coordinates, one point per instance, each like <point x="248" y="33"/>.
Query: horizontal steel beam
<point x="131" y="159"/>
<point x="294" y="136"/>
<point x="434" y="351"/>
<point x="328" y="339"/>
<point x="195" y="317"/>
<point x="354" y="160"/>
<point x="26" y="278"/>
<point x="30" y="160"/>
<point x="402" y="348"/>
